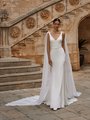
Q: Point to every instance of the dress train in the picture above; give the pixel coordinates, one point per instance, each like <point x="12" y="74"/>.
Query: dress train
<point x="58" y="88"/>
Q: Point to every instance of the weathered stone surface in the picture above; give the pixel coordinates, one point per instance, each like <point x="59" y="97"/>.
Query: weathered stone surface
<point x="24" y="43"/>
<point x="79" y="110"/>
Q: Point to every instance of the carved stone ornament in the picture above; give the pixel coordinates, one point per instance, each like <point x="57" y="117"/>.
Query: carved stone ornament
<point x="74" y="2"/>
<point x="30" y="22"/>
<point x="15" y="32"/>
<point x="36" y="34"/>
<point x="59" y="7"/>
<point x="45" y="14"/>
<point x="4" y="15"/>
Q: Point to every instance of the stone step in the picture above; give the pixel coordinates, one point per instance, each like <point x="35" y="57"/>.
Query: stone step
<point x="19" y="69"/>
<point x="20" y="76"/>
<point x="14" y="62"/>
<point x="20" y="85"/>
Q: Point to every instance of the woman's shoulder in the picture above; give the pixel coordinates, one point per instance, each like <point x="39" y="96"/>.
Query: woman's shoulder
<point x="62" y="32"/>
<point x="48" y="32"/>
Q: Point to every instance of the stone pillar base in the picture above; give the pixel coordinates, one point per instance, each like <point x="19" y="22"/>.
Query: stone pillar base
<point x="5" y="52"/>
<point x="74" y="56"/>
<point x="76" y="66"/>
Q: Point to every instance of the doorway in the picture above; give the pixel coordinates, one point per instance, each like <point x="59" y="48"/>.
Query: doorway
<point x="84" y="36"/>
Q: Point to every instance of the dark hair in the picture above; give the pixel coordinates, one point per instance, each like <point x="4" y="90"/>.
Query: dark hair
<point x="56" y="19"/>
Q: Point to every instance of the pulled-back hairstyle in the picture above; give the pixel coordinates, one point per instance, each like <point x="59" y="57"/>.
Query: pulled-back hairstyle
<point x="56" y="19"/>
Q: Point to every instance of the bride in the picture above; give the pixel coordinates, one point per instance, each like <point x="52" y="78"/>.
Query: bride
<point x="58" y="88"/>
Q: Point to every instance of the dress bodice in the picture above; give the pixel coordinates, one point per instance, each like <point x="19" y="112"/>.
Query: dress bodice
<point x="55" y="43"/>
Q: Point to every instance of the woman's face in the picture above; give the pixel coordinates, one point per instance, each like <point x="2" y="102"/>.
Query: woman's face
<point x="56" y="24"/>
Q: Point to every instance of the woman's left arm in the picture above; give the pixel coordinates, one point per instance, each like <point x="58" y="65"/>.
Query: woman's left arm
<point x="63" y="42"/>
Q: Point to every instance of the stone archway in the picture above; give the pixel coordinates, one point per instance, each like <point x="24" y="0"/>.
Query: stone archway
<point x="84" y="33"/>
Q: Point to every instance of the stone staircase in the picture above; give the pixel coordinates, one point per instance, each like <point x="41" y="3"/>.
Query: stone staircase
<point x="16" y="74"/>
<point x="19" y="74"/>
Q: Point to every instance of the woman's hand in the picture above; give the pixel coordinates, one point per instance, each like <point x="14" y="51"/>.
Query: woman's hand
<point x="50" y="62"/>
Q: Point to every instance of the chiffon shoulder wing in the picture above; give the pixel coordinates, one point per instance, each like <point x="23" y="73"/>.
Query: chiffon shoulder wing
<point x="71" y="89"/>
<point x="37" y="100"/>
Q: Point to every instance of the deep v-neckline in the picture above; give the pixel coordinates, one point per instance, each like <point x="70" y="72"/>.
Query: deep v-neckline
<point x="53" y="37"/>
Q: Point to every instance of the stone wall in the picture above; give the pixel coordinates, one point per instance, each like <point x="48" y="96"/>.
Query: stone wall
<point x="17" y="8"/>
<point x="32" y="47"/>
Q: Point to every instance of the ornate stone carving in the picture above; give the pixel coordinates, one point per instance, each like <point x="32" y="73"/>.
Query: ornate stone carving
<point x="4" y="15"/>
<point x="30" y="22"/>
<point x="59" y="7"/>
<point x="3" y="3"/>
<point x="36" y="34"/>
<point x="74" y="2"/>
<point x="45" y="14"/>
<point x="15" y="32"/>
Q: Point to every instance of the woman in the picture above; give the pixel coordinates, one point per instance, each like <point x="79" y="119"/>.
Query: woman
<point x="58" y="88"/>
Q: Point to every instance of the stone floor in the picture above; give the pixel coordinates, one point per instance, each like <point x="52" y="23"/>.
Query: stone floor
<point x="79" y="110"/>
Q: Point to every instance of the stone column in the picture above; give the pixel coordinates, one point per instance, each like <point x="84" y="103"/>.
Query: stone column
<point x="5" y="49"/>
<point x="75" y="62"/>
<point x="74" y="56"/>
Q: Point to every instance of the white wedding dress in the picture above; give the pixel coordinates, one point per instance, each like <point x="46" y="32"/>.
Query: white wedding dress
<point x="56" y="97"/>
<point x="58" y="88"/>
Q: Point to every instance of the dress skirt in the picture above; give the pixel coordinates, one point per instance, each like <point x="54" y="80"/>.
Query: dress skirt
<point x="56" y="94"/>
